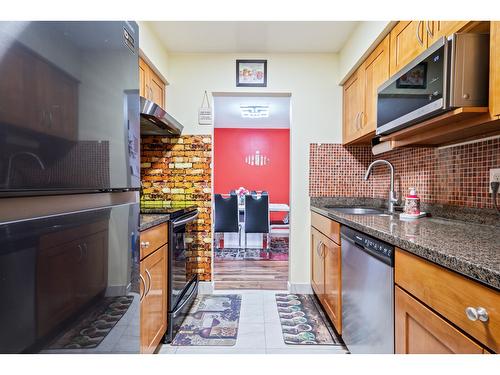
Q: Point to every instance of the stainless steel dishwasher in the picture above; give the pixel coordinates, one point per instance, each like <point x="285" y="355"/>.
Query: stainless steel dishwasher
<point x="367" y="293"/>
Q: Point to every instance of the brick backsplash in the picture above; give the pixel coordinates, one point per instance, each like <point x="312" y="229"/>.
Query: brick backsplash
<point x="177" y="173"/>
<point x="456" y="176"/>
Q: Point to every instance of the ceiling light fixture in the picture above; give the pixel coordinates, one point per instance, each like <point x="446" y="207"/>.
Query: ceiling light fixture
<point x="254" y="111"/>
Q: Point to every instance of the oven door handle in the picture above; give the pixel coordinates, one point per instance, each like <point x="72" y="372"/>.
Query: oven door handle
<point x="195" y="290"/>
<point x="182" y="221"/>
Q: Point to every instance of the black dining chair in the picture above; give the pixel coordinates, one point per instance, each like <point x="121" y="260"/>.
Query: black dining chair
<point x="227" y="215"/>
<point x="257" y="214"/>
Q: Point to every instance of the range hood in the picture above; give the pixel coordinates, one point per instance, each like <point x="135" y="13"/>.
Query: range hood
<point x="156" y="121"/>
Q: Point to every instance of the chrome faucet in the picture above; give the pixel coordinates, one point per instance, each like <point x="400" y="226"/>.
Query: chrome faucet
<point x="9" y="165"/>
<point x="392" y="194"/>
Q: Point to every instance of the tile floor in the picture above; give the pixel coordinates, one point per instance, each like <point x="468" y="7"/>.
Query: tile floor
<point x="259" y="330"/>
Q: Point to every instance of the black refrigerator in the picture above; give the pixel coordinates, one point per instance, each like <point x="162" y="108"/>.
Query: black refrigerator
<point x="69" y="187"/>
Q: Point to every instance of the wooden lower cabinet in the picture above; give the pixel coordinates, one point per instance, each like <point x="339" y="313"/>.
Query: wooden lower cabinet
<point x="418" y="330"/>
<point x="332" y="297"/>
<point x="153" y="274"/>
<point x="326" y="275"/>
<point x="450" y="294"/>
<point x="317" y="263"/>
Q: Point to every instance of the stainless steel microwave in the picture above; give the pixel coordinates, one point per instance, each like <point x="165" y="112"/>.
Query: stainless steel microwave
<point x="451" y="73"/>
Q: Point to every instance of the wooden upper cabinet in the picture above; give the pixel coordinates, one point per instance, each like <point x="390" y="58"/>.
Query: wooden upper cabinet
<point x="438" y="29"/>
<point x="143" y="69"/>
<point x="418" y="330"/>
<point x="495" y="68"/>
<point x="317" y="263"/>
<point x="353" y="99"/>
<point x="408" y="39"/>
<point x="375" y="72"/>
<point x="332" y="300"/>
<point x="157" y="87"/>
<point x="151" y="86"/>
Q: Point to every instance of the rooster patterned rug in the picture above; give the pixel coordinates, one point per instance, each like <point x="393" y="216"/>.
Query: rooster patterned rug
<point x="303" y="322"/>
<point x="212" y="321"/>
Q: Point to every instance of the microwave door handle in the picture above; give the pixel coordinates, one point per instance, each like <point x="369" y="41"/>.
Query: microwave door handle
<point x="417" y="32"/>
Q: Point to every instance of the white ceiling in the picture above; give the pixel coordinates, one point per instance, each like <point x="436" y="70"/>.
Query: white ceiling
<point x="250" y="36"/>
<point x="227" y="113"/>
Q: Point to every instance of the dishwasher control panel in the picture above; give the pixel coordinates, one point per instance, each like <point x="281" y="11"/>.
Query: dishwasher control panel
<point x="371" y="245"/>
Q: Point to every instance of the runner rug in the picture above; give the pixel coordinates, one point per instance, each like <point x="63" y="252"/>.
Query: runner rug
<point x="303" y="322"/>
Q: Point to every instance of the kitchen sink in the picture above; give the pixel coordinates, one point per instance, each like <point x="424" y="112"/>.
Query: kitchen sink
<point x="359" y="210"/>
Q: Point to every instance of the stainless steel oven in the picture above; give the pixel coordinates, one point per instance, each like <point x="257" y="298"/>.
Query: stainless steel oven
<point x="451" y="73"/>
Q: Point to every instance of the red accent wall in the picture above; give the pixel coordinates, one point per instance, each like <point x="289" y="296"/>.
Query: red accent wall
<point x="232" y="145"/>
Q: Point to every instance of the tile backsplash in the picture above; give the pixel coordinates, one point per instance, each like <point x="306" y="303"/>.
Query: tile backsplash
<point x="456" y="176"/>
<point x="176" y="172"/>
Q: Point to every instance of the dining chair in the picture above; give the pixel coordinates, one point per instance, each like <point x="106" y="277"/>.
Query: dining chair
<point x="257" y="215"/>
<point x="227" y="215"/>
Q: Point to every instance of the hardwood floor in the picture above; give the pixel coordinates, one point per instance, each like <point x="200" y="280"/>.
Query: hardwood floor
<point x="250" y="274"/>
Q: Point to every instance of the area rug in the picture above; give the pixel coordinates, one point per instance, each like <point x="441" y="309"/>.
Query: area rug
<point x="212" y="321"/>
<point x="94" y="325"/>
<point x="303" y="322"/>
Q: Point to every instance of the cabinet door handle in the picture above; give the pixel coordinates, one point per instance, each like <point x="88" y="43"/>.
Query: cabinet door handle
<point x="319" y="248"/>
<point x="361" y="119"/>
<point x="429" y="32"/>
<point x="420" y="40"/>
<point x="475" y="314"/>
<point x="151" y="93"/>
<point x="50" y="119"/>
<point x="145" y="244"/>
<point x="146" y="94"/>
<point x="143" y="289"/>
<point x="80" y="256"/>
<point x="85" y="250"/>
<point x="149" y="284"/>
<point x="356" y="120"/>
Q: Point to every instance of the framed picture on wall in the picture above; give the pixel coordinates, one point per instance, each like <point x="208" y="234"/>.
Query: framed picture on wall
<point x="251" y="73"/>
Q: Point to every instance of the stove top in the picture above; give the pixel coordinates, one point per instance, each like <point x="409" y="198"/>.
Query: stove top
<point x="174" y="212"/>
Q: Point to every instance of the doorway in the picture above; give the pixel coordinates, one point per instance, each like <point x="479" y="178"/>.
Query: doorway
<point x="251" y="171"/>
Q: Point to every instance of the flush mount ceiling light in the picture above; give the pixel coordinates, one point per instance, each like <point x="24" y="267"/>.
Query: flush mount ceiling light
<point x="254" y="111"/>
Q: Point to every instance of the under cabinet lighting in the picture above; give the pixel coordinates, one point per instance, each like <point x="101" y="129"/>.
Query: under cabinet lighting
<point x="254" y="111"/>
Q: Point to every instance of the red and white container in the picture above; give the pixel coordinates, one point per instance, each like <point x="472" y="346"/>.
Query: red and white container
<point x="412" y="203"/>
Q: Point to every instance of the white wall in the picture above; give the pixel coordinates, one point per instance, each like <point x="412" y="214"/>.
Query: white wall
<point x="316" y="117"/>
<point x="362" y="41"/>
<point x="153" y="50"/>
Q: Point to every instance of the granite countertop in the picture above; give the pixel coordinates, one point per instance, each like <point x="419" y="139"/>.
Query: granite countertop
<point x="150" y="220"/>
<point x="467" y="248"/>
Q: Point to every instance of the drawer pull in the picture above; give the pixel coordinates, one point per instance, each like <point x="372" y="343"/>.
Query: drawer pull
<point x="475" y="314"/>
<point x="145" y="244"/>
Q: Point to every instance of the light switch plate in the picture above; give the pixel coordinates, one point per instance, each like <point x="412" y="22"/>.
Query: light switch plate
<point x="494" y="176"/>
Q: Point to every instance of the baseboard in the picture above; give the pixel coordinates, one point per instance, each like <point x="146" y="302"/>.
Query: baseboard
<point x="205" y="287"/>
<point x="300" y="288"/>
